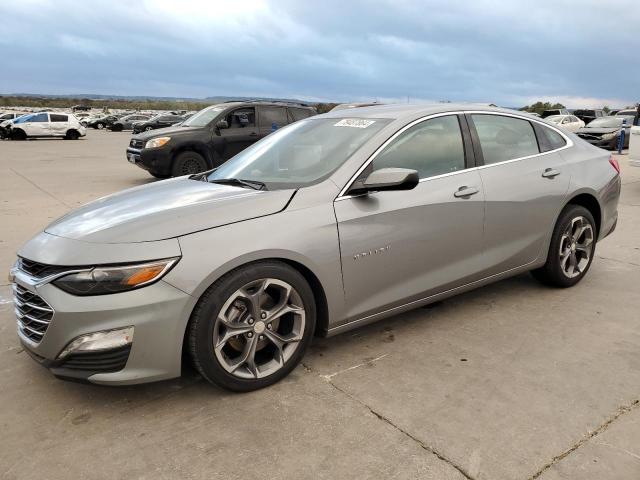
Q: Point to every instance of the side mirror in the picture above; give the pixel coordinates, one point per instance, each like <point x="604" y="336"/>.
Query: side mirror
<point x="222" y="124"/>
<point x="387" y="179"/>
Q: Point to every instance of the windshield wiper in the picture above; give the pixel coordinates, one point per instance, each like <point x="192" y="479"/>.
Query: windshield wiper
<point x="256" y="185"/>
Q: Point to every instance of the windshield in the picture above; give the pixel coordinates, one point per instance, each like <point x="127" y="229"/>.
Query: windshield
<point x="301" y="154"/>
<point x="609" y="122"/>
<point x="204" y="117"/>
<point x="24" y="118"/>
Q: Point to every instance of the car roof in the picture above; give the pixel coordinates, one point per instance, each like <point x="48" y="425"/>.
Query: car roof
<point x="410" y="111"/>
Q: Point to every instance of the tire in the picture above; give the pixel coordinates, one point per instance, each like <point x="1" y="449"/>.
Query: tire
<point x="148" y="129"/>
<point x="231" y="364"/>
<point x="72" y="135"/>
<point x="188" y="163"/>
<point x="18" y="135"/>
<point x="117" y="127"/>
<point x="99" y="126"/>
<point x="572" y="248"/>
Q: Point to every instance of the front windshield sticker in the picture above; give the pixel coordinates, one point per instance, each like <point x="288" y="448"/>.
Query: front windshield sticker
<point x="354" y="123"/>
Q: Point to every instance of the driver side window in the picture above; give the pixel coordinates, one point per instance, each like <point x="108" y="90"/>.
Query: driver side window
<point x="242" y="118"/>
<point x="433" y="147"/>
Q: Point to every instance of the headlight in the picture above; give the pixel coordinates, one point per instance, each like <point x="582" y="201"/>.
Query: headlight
<point x="609" y="136"/>
<point x="157" y="142"/>
<point x="114" y="279"/>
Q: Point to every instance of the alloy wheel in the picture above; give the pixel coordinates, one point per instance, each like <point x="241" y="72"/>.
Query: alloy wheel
<point x="576" y="247"/>
<point x="259" y="328"/>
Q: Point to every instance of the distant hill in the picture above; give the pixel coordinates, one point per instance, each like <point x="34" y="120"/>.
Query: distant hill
<point x="139" y="98"/>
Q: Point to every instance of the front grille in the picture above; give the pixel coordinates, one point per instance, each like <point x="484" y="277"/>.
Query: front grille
<point x="135" y="143"/>
<point x="32" y="312"/>
<point x="106" y="361"/>
<point x="40" y="270"/>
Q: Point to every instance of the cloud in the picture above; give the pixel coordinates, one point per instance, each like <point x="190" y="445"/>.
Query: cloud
<point x="509" y="53"/>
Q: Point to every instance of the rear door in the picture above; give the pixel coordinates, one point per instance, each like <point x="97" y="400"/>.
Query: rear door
<point x="270" y="118"/>
<point x="59" y="124"/>
<point x="525" y="181"/>
<point x="401" y="246"/>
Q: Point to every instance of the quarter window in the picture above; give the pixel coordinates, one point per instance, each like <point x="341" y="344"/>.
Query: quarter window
<point x="555" y="139"/>
<point x="299" y="113"/>
<point x="433" y="147"/>
<point x="504" y="138"/>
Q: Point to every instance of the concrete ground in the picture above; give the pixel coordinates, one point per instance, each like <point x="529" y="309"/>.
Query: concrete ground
<point x="511" y="381"/>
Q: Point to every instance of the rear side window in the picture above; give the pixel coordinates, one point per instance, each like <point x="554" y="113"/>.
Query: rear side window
<point x="58" y="118"/>
<point x="299" y="113"/>
<point x="504" y="138"/>
<point x="273" y="115"/>
<point x="433" y="147"/>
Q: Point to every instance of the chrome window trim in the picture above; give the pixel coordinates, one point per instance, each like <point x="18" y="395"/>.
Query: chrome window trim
<point x="569" y="143"/>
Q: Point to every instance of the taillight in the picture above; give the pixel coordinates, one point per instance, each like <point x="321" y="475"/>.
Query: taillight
<point x="614" y="163"/>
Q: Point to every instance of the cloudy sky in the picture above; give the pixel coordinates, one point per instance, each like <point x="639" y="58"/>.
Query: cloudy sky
<point x="510" y="52"/>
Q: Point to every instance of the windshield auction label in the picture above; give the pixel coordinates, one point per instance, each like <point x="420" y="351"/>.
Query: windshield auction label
<point x="354" y="123"/>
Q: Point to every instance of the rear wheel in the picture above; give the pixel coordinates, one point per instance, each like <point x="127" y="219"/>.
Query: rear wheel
<point x="252" y="327"/>
<point x="148" y="129"/>
<point x="72" y="135"/>
<point x="117" y="127"/>
<point x="188" y="163"/>
<point x="572" y="248"/>
<point x="99" y="126"/>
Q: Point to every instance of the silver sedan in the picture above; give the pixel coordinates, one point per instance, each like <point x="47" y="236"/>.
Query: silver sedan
<point x="328" y="224"/>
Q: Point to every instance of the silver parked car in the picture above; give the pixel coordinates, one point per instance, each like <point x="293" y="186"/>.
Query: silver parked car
<point x="327" y="224"/>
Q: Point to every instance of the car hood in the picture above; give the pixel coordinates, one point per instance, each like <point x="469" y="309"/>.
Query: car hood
<point x="158" y="132"/>
<point x="166" y="209"/>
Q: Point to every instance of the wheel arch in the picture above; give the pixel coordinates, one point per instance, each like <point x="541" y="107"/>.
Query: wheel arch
<point x="320" y="297"/>
<point x="590" y="202"/>
<point x="198" y="147"/>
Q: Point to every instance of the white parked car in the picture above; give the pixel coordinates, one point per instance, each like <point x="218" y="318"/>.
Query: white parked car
<point x="567" y="122"/>
<point x="47" y="124"/>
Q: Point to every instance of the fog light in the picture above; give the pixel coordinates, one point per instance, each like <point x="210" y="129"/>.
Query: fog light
<point x="106" y="340"/>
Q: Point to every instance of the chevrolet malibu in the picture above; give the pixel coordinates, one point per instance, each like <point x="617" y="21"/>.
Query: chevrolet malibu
<point x="325" y="225"/>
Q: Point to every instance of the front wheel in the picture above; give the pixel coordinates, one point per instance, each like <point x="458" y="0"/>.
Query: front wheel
<point x="188" y="163"/>
<point x="148" y="129"/>
<point x="100" y="126"/>
<point x="572" y="248"/>
<point x="252" y="327"/>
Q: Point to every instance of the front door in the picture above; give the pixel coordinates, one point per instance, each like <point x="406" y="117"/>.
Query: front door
<point x="241" y="133"/>
<point x="401" y="246"/>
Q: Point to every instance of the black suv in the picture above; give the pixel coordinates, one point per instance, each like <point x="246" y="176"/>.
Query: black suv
<point x="211" y="136"/>
<point x="588" y="115"/>
<point x="159" y="121"/>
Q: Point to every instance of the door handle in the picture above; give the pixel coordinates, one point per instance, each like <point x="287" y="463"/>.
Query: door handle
<point x="465" y="192"/>
<point x="550" y="173"/>
<point x="253" y="134"/>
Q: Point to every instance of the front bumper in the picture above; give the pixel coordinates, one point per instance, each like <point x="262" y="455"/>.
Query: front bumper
<point x="158" y="313"/>
<point x="156" y="160"/>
